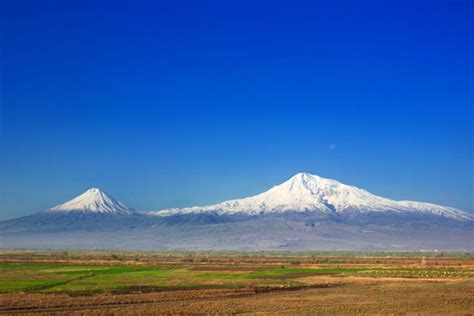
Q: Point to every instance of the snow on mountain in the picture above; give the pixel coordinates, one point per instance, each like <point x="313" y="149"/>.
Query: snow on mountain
<point x="93" y="210"/>
<point x="305" y="212"/>
<point x="310" y="193"/>
<point x="93" y="201"/>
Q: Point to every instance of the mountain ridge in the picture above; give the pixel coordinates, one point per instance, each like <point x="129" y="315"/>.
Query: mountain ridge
<point x="306" y="212"/>
<point x="305" y="192"/>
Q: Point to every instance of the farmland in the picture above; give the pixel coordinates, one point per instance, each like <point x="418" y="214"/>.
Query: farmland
<point x="162" y="282"/>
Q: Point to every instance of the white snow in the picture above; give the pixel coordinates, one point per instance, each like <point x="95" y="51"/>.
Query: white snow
<point x="94" y="201"/>
<point x="94" y="220"/>
<point x="305" y="192"/>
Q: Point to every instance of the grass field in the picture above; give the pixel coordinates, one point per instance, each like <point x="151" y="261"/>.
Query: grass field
<point x="39" y="281"/>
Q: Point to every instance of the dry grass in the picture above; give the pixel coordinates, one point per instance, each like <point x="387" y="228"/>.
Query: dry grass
<point x="432" y="292"/>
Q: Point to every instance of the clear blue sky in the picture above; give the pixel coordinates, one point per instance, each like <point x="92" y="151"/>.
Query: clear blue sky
<point x="175" y="103"/>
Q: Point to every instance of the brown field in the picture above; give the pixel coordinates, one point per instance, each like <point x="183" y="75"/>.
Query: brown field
<point x="141" y="283"/>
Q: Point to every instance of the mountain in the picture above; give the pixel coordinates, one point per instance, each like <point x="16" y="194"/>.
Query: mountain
<point x="92" y="210"/>
<point x="93" y="201"/>
<point x="306" y="212"/>
<point x="307" y="193"/>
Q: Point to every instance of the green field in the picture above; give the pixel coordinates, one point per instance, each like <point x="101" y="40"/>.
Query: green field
<point x="27" y="277"/>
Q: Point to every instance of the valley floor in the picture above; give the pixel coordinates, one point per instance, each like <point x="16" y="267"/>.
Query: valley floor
<point x="99" y="283"/>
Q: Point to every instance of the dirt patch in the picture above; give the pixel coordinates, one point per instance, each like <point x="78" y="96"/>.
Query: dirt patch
<point x="182" y="290"/>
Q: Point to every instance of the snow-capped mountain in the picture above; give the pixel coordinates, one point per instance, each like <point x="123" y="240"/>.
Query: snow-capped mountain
<point x="305" y="192"/>
<point x="304" y="212"/>
<point x="91" y="210"/>
<point x="93" y="201"/>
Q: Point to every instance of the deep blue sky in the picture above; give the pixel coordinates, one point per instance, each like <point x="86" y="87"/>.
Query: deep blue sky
<point x="174" y="103"/>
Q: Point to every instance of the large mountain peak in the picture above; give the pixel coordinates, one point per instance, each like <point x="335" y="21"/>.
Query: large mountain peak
<point x="305" y="192"/>
<point x="311" y="183"/>
<point x="95" y="201"/>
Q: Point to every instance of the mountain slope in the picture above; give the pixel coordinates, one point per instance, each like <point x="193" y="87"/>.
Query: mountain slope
<point x="309" y="193"/>
<point x="305" y="212"/>
<point x="92" y="210"/>
<point x="93" y="201"/>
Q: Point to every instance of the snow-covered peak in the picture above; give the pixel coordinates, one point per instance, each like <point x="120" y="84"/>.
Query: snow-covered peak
<point x="305" y="192"/>
<point x="95" y="201"/>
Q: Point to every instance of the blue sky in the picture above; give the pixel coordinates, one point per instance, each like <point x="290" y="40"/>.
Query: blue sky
<point x="179" y="103"/>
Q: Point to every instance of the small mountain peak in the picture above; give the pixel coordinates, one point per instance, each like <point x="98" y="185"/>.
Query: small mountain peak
<point x="94" y="190"/>
<point x="93" y="200"/>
